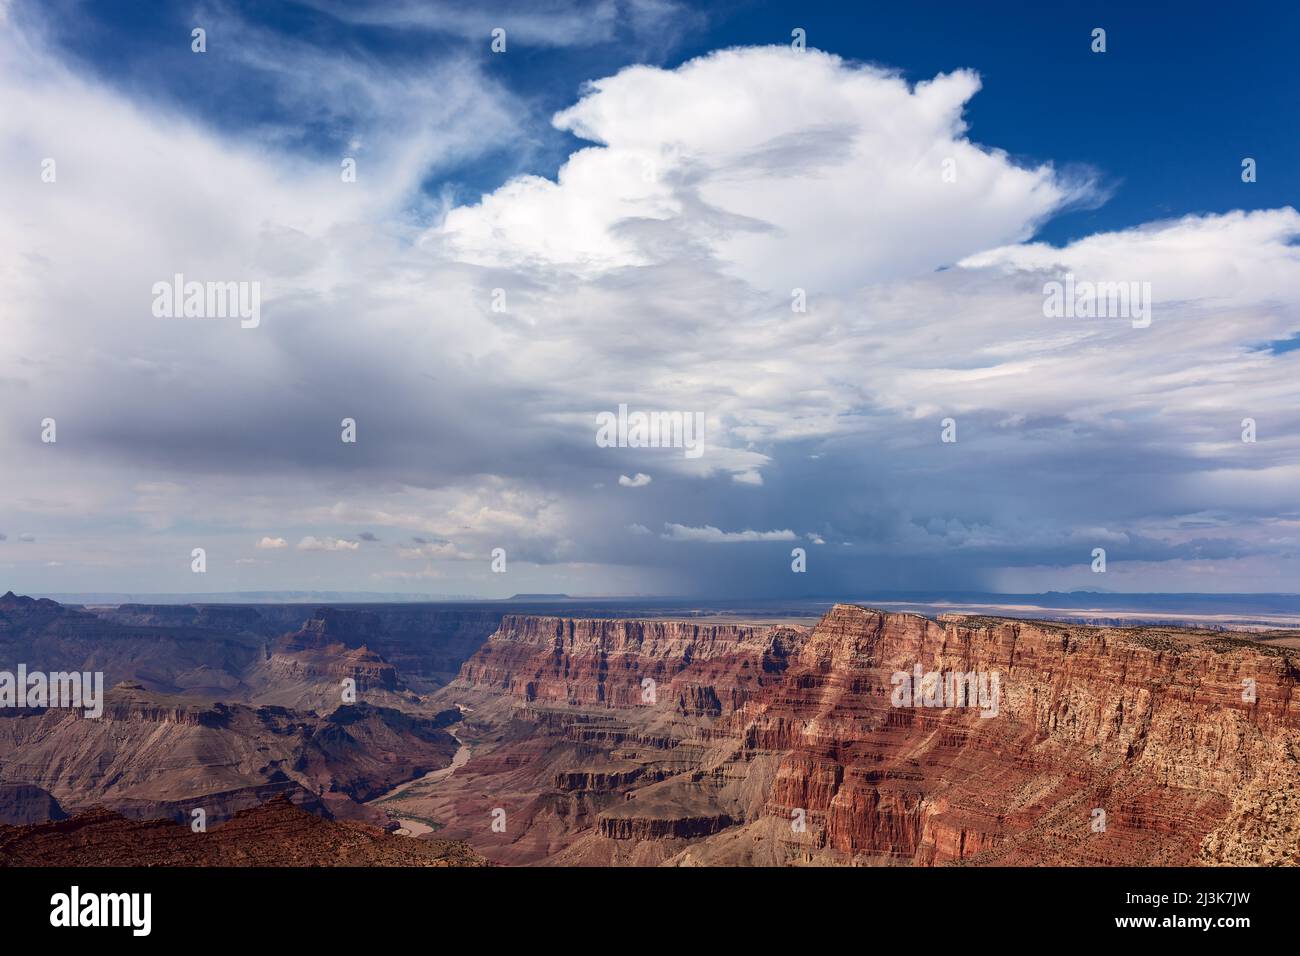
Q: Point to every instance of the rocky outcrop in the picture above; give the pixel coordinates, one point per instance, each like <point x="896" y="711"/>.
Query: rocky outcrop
<point x="324" y="663"/>
<point x="273" y="834"/>
<point x="330" y="665"/>
<point x="675" y="827"/>
<point x="598" y="779"/>
<point x="708" y="669"/>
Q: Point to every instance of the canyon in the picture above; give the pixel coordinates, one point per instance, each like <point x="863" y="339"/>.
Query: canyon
<point x="543" y="739"/>
<point x="782" y="746"/>
<point x="220" y="709"/>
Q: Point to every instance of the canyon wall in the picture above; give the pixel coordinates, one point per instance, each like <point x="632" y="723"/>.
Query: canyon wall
<point x="704" y="669"/>
<point x="786" y="745"/>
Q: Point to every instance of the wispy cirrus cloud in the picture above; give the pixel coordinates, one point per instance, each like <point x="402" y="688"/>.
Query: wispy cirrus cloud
<point x="548" y="23"/>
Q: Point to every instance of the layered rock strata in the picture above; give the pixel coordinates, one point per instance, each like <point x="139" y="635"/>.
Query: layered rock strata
<point x="773" y="744"/>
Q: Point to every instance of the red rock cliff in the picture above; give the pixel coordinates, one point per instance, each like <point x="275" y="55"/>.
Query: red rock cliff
<point x="702" y="668"/>
<point x="1105" y="745"/>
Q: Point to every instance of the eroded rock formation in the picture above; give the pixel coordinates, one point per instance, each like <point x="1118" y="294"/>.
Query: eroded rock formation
<point x="781" y="745"/>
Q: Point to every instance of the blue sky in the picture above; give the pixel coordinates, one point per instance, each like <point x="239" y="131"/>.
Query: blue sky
<point x="1165" y="115"/>
<point x="1183" y="92"/>
<point x="648" y="184"/>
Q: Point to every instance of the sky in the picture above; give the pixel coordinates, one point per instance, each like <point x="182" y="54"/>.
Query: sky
<point x="838" y="255"/>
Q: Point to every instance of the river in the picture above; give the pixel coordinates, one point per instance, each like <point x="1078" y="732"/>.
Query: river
<point x="415" y="828"/>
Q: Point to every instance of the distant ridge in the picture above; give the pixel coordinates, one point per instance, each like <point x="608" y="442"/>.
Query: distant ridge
<point x="252" y="597"/>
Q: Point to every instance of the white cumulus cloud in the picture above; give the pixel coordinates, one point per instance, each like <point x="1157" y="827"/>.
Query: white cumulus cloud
<point x="312" y="543"/>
